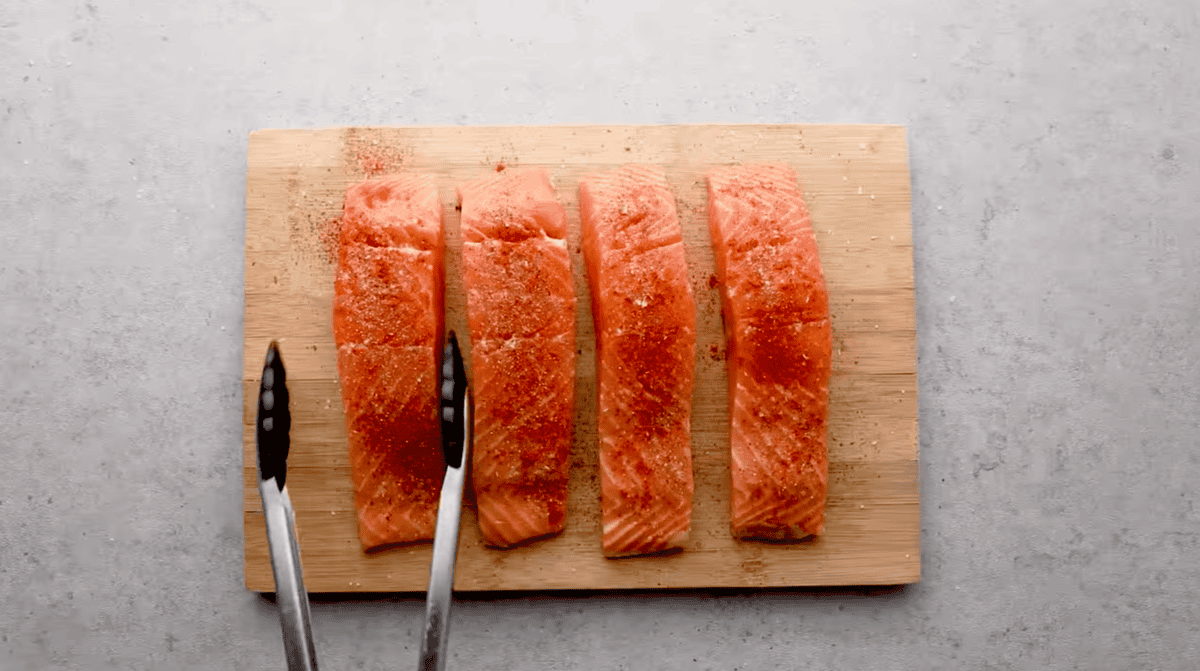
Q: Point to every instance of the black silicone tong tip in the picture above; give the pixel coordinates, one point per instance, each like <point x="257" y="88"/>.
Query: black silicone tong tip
<point x="274" y="419"/>
<point x="453" y="390"/>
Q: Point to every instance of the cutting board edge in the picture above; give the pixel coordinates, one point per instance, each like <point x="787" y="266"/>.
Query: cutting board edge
<point x="589" y="126"/>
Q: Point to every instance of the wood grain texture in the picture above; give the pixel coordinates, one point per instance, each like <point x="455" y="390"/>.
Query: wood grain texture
<point x="856" y="183"/>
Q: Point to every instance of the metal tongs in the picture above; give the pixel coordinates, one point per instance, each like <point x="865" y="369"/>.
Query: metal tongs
<point x="274" y="424"/>
<point x="456" y="412"/>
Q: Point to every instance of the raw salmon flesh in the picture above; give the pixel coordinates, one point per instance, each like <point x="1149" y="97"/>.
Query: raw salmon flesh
<point x="645" y="323"/>
<point x="387" y="323"/>
<point x="777" y="326"/>
<point x="521" y="312"/>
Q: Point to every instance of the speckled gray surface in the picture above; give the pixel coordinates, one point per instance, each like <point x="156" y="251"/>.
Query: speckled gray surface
<point x="1056" y="218"/>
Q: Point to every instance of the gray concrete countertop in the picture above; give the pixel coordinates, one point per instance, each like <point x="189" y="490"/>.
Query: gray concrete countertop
<point x="1056" y="219"/>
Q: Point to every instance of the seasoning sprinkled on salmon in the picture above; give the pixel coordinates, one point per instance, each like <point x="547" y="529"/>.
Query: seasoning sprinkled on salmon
<point x="387" y="323"/>
<point x="777" y="326"/>
<point x="645" y="323"/>
<point x="521" y="312"/>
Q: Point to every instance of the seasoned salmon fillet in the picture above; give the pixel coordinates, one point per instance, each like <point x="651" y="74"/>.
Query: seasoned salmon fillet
<point x="777" y="326"/>
<point x="387" y="323"/>
<point x="521" y="312"/>
<point x="645" y="323"/>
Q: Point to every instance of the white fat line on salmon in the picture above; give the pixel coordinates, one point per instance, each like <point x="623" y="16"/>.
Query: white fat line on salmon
<point x="407" y="248"/>
<point x="557" y="242"/>
<point x="559" y="339"/>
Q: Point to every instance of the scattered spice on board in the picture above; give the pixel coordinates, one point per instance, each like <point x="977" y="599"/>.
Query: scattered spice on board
<point x="371" y="164"/>
<point x="328" y="232"/>
<point x="371" y="156"/>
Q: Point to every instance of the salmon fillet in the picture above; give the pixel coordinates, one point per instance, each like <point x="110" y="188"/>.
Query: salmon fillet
<point x="521" y="311"/>
<point x="777" y="328"/>
<point x="645" y="322"/>
<point x="387" y="323"/>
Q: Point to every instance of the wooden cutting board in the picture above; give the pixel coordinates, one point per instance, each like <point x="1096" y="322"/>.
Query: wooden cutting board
<point x="856" y="183"/>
